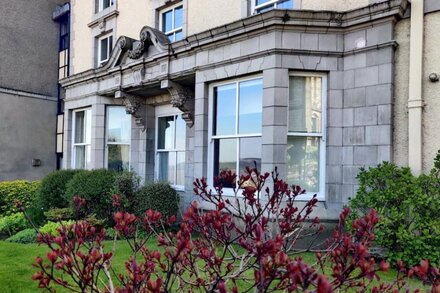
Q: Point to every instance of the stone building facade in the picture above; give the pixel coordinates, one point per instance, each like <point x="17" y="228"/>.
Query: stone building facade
<point x="310" y="92"/>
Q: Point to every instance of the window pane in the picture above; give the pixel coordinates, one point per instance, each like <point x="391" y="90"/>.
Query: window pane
<point x="225" y="155"/>
<point x="110" y="46"/>
<point x="118" y="125"/>
<point x="178" y="12"/>
<point x="250" y="153"/>
<point x="59" y="143"/>
<point x="62" y="58"/>
<point x="80" y="157"/>
<point x="259" y="2"/>
<point x="64" y="27"/>
<point x="303" y="162"/>
<point x="103" y="49"/>
<point x="171" y="37"/>
<point x="165" y="139"/>
<point x="167" y="21"/>
<point x="286" y="4"/>
<point x="88" y="126"/>
<point x="305" y="108"/>
<point x="180" y="168"/>
<point x="83" y="157"/>
<point x="79" y="127"/>
<point x="178" y="36"/>
<point x="106" y="3"/>
<point x="250" y="106"/>
<point x="118" y="157"/>
<point x="225" y="109"/>
<point x="60" y="123"/>
<point x="61" y="73"/>
<point x="180" y="133"/>
<point x="167" y="166"/>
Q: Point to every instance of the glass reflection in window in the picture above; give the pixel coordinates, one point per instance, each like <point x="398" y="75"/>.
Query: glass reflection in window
<point x="118" y="129"/>
<point x="171" y="142"/>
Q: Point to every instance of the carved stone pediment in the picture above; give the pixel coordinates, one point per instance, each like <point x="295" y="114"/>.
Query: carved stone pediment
<point x="119" y="53"/>
<point x="149" y="36"/>
<point x="134" y="105"/>
<point x="180" y="95"/>
<point x="151" y="41"/>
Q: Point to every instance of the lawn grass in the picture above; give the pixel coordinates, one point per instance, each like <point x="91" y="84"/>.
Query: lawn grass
<point x="16" y="267"/>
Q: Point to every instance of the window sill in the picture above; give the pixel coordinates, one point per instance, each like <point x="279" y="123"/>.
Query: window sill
<point x="105" y="14"/>
<point x="178" y="188"/>
<point x="229" y="192"/>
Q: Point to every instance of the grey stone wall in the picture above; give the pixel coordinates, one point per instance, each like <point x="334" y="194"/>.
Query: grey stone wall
<point x="27" y="131"/>
<point x="28" y="88"/>
<point x="29" y="46"/>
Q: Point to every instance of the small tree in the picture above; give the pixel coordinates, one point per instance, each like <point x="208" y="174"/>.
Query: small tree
<point x="247" y="242"/>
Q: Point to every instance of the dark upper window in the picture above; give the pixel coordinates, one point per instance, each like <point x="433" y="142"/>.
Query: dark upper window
<point x="105" y="46"/>
<point x="64" y="45"/>
<point x="103" y="4"/>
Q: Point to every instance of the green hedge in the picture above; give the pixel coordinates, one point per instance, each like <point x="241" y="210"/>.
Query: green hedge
<point x="126" y="185"/>
<point x="21" y="190"/>
<point x="53" y="189"/>
<point x="59" y="214"/>
<point x="96" y="187"/>
<point x="407" y="205"/>
<point x="25" y="236"/>
<point x="52" y="227"/>
<point x="157" y="196"/>
<point x="13" y="223"/>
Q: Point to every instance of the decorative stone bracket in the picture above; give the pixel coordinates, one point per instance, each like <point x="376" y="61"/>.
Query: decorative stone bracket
<point x="134" y="105"/>
<point x="180" y="95"/>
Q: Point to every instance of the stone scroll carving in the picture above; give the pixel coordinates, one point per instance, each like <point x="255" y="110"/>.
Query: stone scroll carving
<point x="180" y="95"/>
<point x="149" y="36"/>
<point x="134" y="105"/>
<point x="119" y="52"/>
<point x="127" y="48"/>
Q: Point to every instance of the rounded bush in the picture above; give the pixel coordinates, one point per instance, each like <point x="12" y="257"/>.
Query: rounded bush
<point x="126" y="185"/>
<point x="96" y="187"/>
<point x="157" y="196"/>
<point x="9" y="225"/>
<point x="52" y="227"/>
<point x="407" y="206"/>
<point x="18" y="190"/>
<point x="25" y="236"/>
<point x="53" y="188"/>
<point x="59" y="214"/>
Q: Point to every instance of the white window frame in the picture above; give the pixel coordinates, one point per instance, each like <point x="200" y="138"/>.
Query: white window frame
<point x="101" y="5"/>
<point x="167" y="111"/>
<point x="74" y="145"/>
<point x="109" y="48"/>
<point x="256" y="7"/>
<point x="174" y="30"/>
<point x="322" y="135"/>
<point x="107" y="143"/>
<point x="212" y="138"/>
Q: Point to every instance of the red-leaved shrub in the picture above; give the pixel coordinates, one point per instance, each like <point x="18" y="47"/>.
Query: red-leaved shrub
<point x="242" y="243"/>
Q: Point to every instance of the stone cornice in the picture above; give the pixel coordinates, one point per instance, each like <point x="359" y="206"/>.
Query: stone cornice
<point x="298" y="20"/>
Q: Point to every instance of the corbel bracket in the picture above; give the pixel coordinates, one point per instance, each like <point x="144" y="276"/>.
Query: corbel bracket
<point x="180" y="95"/>
<point x="134" y="105"/>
